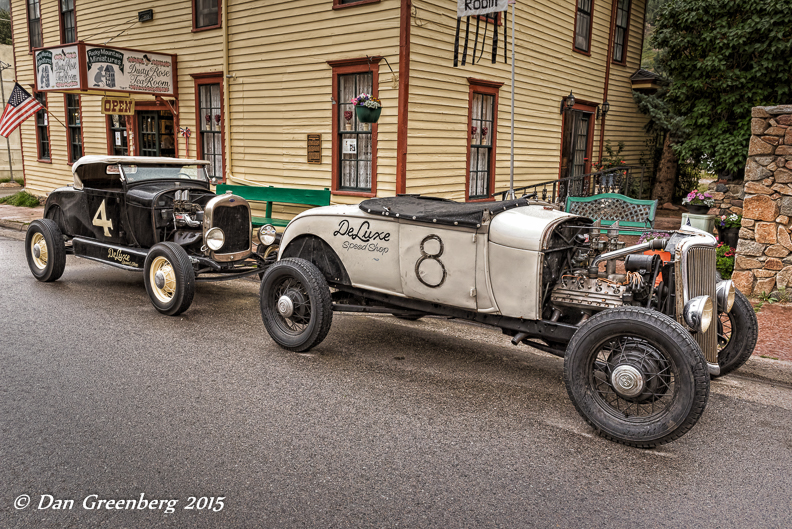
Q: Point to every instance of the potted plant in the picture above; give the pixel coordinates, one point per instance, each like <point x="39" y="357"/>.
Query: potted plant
<point x="367" y="108"/>
<point x="698" y="203"/>
<point x="729" y="229"/>
<point x="348" y="117"/>
<point x="724" y="260"/>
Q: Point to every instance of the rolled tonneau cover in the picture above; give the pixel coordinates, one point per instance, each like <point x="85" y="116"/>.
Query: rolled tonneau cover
<point x="435" y="210"/>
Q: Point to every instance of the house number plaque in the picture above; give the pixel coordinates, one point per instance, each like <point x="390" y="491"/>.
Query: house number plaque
<point x="314" y="148"/>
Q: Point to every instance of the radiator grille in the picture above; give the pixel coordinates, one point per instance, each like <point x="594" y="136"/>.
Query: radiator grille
<point x="700" y="264"/>
<point x="235" y="223"/>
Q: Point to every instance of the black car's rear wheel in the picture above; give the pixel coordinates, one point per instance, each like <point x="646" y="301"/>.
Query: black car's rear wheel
<point x="738" y="331"/>
<point x="636" y="376"/>
<point x="295" y="304"/>
<point x="45" y="250"/>
<point x="169" y="278"/>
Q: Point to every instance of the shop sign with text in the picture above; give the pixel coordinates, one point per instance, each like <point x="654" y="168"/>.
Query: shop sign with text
<point x="116" y="105"/>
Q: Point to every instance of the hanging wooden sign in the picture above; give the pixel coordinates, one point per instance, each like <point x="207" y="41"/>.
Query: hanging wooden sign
<point x="118" y="105"/>
<point x="315" y="148"/>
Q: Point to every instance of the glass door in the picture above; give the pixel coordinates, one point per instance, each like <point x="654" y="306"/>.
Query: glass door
<point x="155" y="133"/>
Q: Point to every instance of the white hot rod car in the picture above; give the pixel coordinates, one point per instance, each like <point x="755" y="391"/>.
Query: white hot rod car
<point x="638" y="346"/>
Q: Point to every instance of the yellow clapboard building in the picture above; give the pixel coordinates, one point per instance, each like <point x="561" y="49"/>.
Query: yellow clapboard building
<point x="250" y="84"/>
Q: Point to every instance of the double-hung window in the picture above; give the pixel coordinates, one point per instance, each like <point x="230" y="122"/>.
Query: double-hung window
<point x="206" y="14"/>
<point x="34" y="23"/>
<point x="354" y="137"/>
<point x="210" y="123"/>
<point x="42" y="129"/>
<point x="621" y="31"/>
<point x="482" y="122"/>
<point x="68" y="24"/>
<point x="74" y="126"/>
<point x="583" y="26"/>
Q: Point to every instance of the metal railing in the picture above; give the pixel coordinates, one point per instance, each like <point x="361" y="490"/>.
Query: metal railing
<point x="629" y="180"/>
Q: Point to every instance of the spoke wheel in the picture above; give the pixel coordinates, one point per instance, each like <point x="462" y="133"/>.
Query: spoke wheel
<point x="170" y="278"/>
<point x="295" y="304"/>
<point x="45" y="250"/>
<point x="636" y="376"/>
<point x="738" y="331"/>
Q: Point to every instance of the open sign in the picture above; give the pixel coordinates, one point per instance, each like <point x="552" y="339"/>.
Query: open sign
<point x="115" y="105"/>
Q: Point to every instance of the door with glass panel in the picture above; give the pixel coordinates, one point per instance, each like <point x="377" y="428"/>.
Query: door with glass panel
<point x="354" y="137"/>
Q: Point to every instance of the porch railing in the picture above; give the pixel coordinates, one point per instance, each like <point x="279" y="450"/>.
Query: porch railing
<point x="629" y="180"/>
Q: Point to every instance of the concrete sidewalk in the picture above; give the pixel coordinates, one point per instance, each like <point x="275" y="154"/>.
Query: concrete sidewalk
<point x="18" y="218"/>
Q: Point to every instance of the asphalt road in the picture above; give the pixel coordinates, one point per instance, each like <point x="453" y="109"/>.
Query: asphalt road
<point x="386" y="424"/>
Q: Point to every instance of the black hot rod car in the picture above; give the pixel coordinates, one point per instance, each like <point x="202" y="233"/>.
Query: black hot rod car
<point x="156" y="215"/>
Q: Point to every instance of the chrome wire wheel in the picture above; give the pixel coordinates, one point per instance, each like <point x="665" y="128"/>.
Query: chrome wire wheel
<point x="632" y="378"/>
<point x="724" y="329"/>
<point x="38" y="249"/>
<point x="162" y="279"/>
<point x="293" y="304"/>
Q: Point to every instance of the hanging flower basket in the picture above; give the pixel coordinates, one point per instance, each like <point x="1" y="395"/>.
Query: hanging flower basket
<point x="367" y="108"/>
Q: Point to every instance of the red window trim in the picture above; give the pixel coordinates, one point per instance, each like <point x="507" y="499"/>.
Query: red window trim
<point x="338" y="5"/>
<point x="82" y="129"/>
<point x="27" y="25"/>
<point x="482" y="86"/>
<point x="60" y="23"/>
<point x="205" y="28"/>
<point x="584" y="106"/>
<point x="110" y="146"/>
<point x="49" y="135"/>
<point x="626" y="34"/>
<point x="341" y="67"/>
<point x="591" y="28"/>
<point x="202" y="79"/>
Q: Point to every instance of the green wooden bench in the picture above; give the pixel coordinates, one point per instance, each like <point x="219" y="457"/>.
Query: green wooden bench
<point x="611" y="207"/>
<point x="280" y="195"/>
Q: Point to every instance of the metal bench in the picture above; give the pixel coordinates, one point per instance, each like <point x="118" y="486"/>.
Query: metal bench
<point x="611" y="207"/>
<point x="280" y="195"/>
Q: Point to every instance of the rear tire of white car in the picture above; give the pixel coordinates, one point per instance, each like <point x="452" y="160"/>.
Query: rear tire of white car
<point x="169" y="278"/>
<point x="295" y="304"/>
<point x="636" y="376"/>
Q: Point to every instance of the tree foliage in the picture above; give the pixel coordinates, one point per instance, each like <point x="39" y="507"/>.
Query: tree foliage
<point x="5" y="27"/>
<point x="724" y="58"/>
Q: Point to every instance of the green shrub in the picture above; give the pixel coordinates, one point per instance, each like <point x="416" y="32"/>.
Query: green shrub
<point x="23" y="198"/>
<point x="725" y="260"/>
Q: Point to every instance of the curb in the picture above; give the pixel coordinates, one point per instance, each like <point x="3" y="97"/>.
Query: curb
<point x="17" y="225"/>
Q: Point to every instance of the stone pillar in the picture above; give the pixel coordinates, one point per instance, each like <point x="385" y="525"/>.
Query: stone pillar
<point x="763" y="262"/>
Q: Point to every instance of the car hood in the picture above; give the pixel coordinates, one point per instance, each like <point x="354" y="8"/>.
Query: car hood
<point x="526" y="228"/>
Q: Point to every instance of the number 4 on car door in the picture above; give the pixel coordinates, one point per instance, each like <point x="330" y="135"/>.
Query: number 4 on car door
<point x="101" y="220"/>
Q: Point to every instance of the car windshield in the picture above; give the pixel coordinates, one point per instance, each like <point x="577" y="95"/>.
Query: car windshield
<point x="138" y="173"/>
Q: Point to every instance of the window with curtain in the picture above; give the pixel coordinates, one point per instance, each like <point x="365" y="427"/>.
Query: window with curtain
<point x="482" y="109"/>
<point x="206" y="13"/>
<point x="42" y="129"/>
<point x="67" y="21"/>
<point x="210" y="127"/>
<point x="34" y="23"/>
<point x="354" y="138"/>
<point x="583" y="26"/>
<point x="620" y="32"/>
<point x="75" y="127"/>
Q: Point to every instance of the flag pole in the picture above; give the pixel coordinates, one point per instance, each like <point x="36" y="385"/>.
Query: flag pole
<point x="511" y="166"/>
<point x="56" y="118"/>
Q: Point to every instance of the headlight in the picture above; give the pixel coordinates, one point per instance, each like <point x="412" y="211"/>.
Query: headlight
<point x="725" y="294"/>
<point x="267" y="234"/>
<point x="698" y="313"/>
<point x="215" y="239"/>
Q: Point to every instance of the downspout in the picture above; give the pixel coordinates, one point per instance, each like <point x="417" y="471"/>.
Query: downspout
<point x="607" y="74"/>
<point x="226" y="96"/>
<point x="404" y="95"/>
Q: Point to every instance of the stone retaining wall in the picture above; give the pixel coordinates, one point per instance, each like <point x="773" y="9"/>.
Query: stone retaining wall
<point x="728" y="196"/>
<point x="763" y="262"/>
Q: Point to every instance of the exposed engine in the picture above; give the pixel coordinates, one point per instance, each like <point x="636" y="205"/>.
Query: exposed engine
<point x="577" y="286"/>
<point x="179" y="215"/>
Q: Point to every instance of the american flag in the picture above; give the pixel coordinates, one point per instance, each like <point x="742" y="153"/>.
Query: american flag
<point x="21" y="106"/>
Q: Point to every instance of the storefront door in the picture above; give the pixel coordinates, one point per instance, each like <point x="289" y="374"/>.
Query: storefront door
<point x="155" y="133"/>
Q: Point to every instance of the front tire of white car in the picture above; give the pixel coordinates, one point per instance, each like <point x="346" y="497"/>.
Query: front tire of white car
<point x="295" y="304"/>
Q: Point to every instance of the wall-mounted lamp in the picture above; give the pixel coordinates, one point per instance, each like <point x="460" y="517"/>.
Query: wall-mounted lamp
<point x="568" y="102"/>
<point x="605" y="109"/>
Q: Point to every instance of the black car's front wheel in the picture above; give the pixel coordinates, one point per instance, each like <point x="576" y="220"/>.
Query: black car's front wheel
<point x="45" y="250"/>
<point x="169" y="278"/>
<point x="636" y="376"/>
<point x="295" y="304"/>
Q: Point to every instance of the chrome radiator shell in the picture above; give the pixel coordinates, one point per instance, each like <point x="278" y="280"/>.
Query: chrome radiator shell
<point x="695" y="272"/>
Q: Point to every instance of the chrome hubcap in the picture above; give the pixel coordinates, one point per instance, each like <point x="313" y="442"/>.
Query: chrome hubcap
<point x="36" y="251"/>
<point x="159" y="279"/>
<point x="285" y="306"/>
<point x="627" y="381"/>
